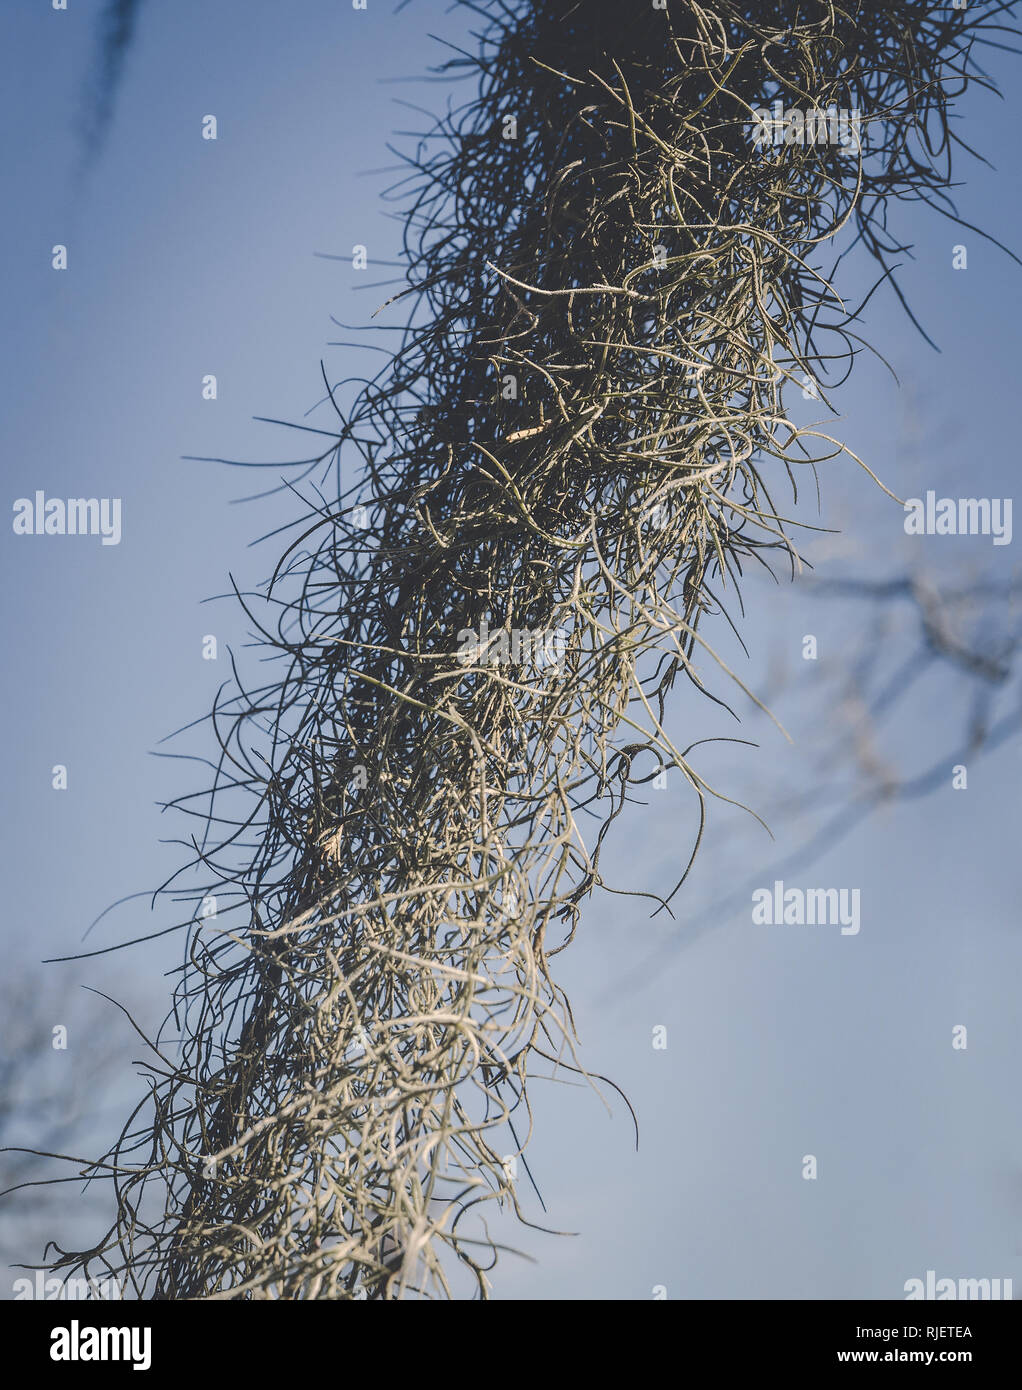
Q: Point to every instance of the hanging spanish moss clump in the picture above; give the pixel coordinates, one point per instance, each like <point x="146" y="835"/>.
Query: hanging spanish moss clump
<point x="614" y="279"/>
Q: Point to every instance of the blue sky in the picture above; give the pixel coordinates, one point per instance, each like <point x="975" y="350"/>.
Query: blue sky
<point x="189" y="257"/>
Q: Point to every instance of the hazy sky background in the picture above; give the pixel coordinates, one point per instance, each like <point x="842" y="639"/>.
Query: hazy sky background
<point x="189" y="257"/>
